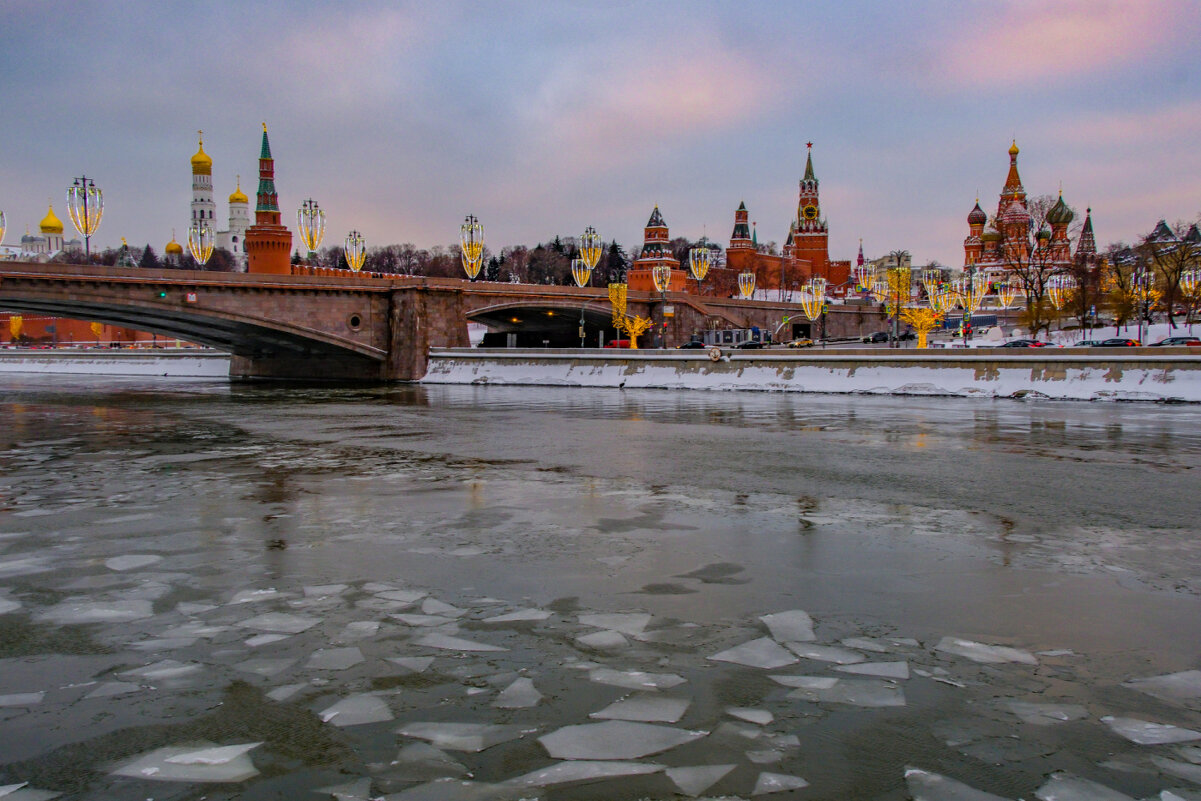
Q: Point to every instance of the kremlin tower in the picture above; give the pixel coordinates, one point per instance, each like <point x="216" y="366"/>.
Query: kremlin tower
<point x="203" y="208"/>
<point x="268" y="242"/>
<point x="656" y="249"/>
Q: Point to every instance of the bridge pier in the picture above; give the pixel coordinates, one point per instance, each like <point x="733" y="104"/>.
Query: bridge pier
<point x="295" y="367"/>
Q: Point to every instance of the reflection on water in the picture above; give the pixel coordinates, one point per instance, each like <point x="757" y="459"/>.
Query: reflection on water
<point x="325" y="584"/>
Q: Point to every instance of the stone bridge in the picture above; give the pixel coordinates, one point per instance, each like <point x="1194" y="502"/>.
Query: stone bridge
<point x="340" y="325"/>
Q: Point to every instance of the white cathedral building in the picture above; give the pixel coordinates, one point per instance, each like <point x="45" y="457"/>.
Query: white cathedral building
<point x="204" y="210"/>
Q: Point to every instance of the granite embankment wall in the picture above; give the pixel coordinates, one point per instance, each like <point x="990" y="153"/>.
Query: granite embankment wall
<point x="1148" y="374"/>
<point x="183" y="362"/>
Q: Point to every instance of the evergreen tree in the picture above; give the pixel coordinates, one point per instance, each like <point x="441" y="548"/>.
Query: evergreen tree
<point x="148" y="261"/>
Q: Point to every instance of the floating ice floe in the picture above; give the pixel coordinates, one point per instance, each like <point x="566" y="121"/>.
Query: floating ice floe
<point x="196" y="629"/>
<point x="265" y="639"/>
<point x="110" y="689"/>
<point x="1145" y="732"/>
<point x="645" y="708"/>
<point x="446" y="642"/>
<point x="603" y="641"/>
<point x="521" y="694"/>
<point x="191" y="764"/>
<point x="884" y="670"/>
<point x="794" y="625"/>
<point x="404" y="596"/>
<point x="84" y="611"/>
<point x="696" y="780"/>
<point x="1180" y="687"/>
<point x="632" y="624"/>
<point x="1046" y="714"/>
<point x="768" y="783"/>
<point x="334" y="658"/>
<point x="432" y="606"/>
<point x="23" y="792"/>
<point x="356" y="710"/>
<point x="460" y="790"/>
<point x="417" y="664"/>
<point x="614" y="739"/>
<point x="359" y="790"/>
<point x="865" y="644"/>
<point x="22" y="699"/>
<point x="359" y="630"/>
<point x="254" y="596"/>
<point x="324" y="590"/>
<point x="427" y="621"/>
<point x="132" y="561"/>
<point x="582" y="771"/>
<point x="462" y="736"/>
<point x="280" y="622"/>
<point x="286" y="691"/>
<point x="765" y="756"/>
<point x="760" y="717"/>
<point x="855" y="692"/>
<point x="193" y="608"/>
<point x="1184" y="770"/>
<point x="635" y="679"/>
<point x="985" y="654"/>
<point x="926" y="786"/>
<point x="519" y="616"/>
<point x="824" y="653"/>
<point x="265" y="667"/>
<point x="763" y="653"/>
<point x="1065" y="787"/>
<point x="163" y="670"/>
<point x="7" y="605"/>
<point x="423" y="762"/>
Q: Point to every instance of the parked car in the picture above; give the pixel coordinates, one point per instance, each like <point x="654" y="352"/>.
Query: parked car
<point x="803" y="342"/>
<point x="691" y="345"/>
<point x="879" y="336"/>
<point x="1185" y="340"/>
<point x="1087" y="343"/>
<point x="618" y="343"/>
<point x="750" y="344"/>
<point x="1023" y="343"/>
<point x="1119" y="342"/>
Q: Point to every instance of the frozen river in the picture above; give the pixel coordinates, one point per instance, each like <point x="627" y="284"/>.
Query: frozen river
<point x="216" y="592"/>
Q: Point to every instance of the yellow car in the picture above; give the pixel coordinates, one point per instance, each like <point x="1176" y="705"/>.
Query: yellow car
<point x="801" y="343"/>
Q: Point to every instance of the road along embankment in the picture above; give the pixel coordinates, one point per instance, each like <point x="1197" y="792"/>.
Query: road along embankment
<point x="1145" y="374"/>
<point x="176" y="362"/>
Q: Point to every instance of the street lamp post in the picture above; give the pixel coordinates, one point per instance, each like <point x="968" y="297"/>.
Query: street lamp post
<point x="661" y="275"/>
<point x="581" y="273"/>
<point x="85" y="203"/>
<point x="471" y="240"/>
<point x="746" y="284"/>
<point x="355" y="251"/>
<point x="971" y="290"/>
<point x="310" y="219"/>
<point x="700" y="259"/>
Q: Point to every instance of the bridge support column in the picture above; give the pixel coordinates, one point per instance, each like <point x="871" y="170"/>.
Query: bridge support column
<point x="297" y="367"/>
<point x="419" y="320"/>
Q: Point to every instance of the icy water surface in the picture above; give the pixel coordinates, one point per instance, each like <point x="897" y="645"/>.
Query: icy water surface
<point x="215" y="592"/>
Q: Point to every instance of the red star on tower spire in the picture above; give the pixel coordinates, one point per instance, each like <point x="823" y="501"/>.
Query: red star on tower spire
<point x="809" y="145"/>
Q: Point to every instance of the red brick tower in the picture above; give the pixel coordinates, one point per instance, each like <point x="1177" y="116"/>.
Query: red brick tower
<point x="740" y="239"/>
<point x="268" y="242"/>
<point x="811" y="236"/>
<point x="656" y="249"/>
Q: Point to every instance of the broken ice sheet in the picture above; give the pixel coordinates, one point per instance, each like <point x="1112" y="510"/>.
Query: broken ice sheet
<point x="86" y="611"/>
<point x="22" y="699"/>
<point x="1180" y="687"/>
<point x="23" y="792"/>
<point x="1065" y="787"/>
<point x="163" y="670"/>
<point x="777" y="783"/>
<point x="696" y="780"/>
<point x="449" y="643"/>
<point x="824" y="653"/>
<point x="926" y="786"/>
<point x="432" y="606"/>
<point x="460" y="790"/>
<point x="417" y="664"/>
<point x="404" y="596"/>
<point x="865" y="644"/>
<point x="765" y="756"/>
<point x="519" y="616"/>
<point x="280" y="622"/>
<point x="884" y="670"/>
<point x="132" y="561"/>
<point x="422" y="762"/>
<point x="632" y="624"/>
<point x="359" y="630"/>
<point x="254" y="596"/>
<point x="334" y="658"/>
<point x="761" y="653"/>
<point x="265" y="639"/>
<point x="7" y="605"/>
<point x="758" y="716"/>
<point x="359" y="790"/>
<point x="1046" y="714"/>
<point x="582" y="771"/>
<point x="425" y="620"/>
<point x="265" y="667"/>
<point x="110" y="689"/>
<point x="645" y="708"/>
<point x="635" y="679"/>
<point x="324" y="590"/>
<point x="985" y="654"/>
<point x="856" y="692"/>
<point x="204" y="763"/>
<point x="603" y="641"/>
<point x="521" y="694"/>
<point x="1145" y="732"/>
<point x="1182" y="769"/>
<point x="286" y="691"/>
<point x="462" y="736"/>
<point x="614" y="739"/>
<point x="355" y="710"/>
<point x="792" y="626"/>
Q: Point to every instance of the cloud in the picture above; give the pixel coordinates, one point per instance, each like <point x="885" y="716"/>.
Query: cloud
<point x="1039" y="41"/>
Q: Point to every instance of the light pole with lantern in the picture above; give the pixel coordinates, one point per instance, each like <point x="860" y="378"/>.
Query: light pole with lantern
<point x="85" y="203"/>
<point x="355" y="251"/>
<point x="661" y="275"/>
<point x="471" y="240"/>
<point x="310" y="219"/>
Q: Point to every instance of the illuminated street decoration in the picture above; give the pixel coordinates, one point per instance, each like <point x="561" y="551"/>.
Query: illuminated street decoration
<point x="590" y="248"/>
<point x="661" y="275"/>
<point x="310" y="219"/>
<point x="1008" y="291"/>
<point x="970" y="290"/>
<point x="865" y="277"/>
<point x="1060" y="288"/>
<point x="931" y="280"/>
<point x="746" y="284"/>
<point x="355" y="250"/>
<point x="813" y="297"/>
<point x="700" y="259"/>
<point x="633" y="326"/>
<point x="471" y="239"/>
<point x="1" y="228"/>
<point x="85" y="204"/>
<point x="200" y="242"/>
<point x="15" y="324"/>
<point x="581" y="272"/>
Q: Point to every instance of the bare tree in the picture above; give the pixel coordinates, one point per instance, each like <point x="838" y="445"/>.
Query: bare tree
<point x="1171" y="256"/>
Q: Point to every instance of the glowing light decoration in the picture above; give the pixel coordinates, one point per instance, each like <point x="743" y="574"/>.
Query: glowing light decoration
<point x="923" y="320"/>
<point x="700" y="259"/>
<point x="970" y="290"/>
<point x="590" y="248"/>
<point x="633" y="326"/>
<point x="1008" y="291"/>
<point x="581" y="272"/>
<point x="97" y="330"/>
<point x="1060" y="288"/>
<point x="200" y="242"/>
<point x="1189" y="280"/>
<point x="661" y="275"/>
<point x="865" y="277"/>
<point x="85" y="204"/>
<point x="931" y="280"/>
<point x="1" y="228"/>
<point x="813" y="297"/>
<point x="746" y="284"/>
<point x="310" y="220"/>
<point x="355" y="250"/>
<point x="15" y="324"/>
<point x="942" y="299"/>
<point x="471" y="240"/>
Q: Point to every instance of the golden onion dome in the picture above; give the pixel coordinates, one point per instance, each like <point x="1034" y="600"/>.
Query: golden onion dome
<point x="1013" y="149"/>
<point x="238" y="195"/>
<point x="173" y="248"/>
<point x="51" y="224"/>
<point x="201" y="163"/>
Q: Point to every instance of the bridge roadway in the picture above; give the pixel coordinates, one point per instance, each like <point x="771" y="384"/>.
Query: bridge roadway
<point x="345" y="326"/>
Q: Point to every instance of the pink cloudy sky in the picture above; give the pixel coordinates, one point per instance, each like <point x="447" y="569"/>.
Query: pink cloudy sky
<point x="544" y="118"/>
